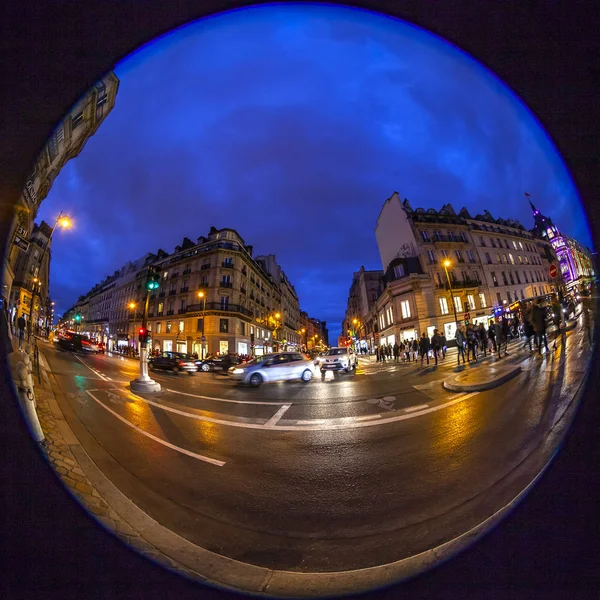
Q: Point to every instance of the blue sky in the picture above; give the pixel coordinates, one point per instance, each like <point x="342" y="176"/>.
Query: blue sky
<point x="293" y="124"/>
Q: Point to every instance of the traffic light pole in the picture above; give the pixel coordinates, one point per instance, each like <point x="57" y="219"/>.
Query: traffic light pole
<point x="144" y="383"/>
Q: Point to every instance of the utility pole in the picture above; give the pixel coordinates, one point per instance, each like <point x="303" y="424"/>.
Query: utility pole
<point x="144" y="383"/>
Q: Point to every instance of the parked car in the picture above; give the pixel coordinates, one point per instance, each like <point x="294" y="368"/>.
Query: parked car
<point x="282" y="366"/>
<point x="218" y="363"/>
<point x="173" y="361"/>
<point x="338" y="359"/>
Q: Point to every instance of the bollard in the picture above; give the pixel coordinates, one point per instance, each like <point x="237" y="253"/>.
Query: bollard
<point x="22" y="372"/>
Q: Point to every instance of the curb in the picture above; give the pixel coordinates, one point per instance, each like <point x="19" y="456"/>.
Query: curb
<point x="453" y="383"/>
<point x="142" y="533"/>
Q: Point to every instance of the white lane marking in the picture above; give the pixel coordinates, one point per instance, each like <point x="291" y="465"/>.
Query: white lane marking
<point x="413" y="408"/>
<point x="218" y="463"/>
<point x="91" y="368"/>
<point x="429" y="384"/>
<point x="277" y="416"/>
<point x="311" y="422"/>
<point x="367" y="417"/>
<point x="226" y="399"/>
<point x="319" y="424"/>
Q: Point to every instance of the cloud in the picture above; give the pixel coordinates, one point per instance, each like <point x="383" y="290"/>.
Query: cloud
<point x="293" y="124"/>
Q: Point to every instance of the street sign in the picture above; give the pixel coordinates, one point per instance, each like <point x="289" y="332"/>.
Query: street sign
<point x="553" y="271"/>
<point x="21" y="231"/>
<point x="21" y="243"/>
<point x="203" y="339"/>
<point x="466" y="316"/>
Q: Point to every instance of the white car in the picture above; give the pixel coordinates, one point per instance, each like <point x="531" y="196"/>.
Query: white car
<point x="338" y="359"/>
<point x="274" y="367"/>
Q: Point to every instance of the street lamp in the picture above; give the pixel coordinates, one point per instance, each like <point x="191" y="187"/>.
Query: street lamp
<point x="64" y="222"/>
<point x="203" y="298"/>
<point x="447" y="264"/>
<point x="133" y="306"/>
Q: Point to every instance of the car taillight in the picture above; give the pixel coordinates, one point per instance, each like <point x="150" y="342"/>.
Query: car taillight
<point x="181" y="363"/>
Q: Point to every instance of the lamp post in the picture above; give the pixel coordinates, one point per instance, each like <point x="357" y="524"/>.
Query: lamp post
<point x="64" y="222"/>
<point x="203" y="298"/>
<point x="447" y="264"/>
<point x="133" y="307"/>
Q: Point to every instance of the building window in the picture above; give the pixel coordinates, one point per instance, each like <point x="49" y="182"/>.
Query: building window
<point x="504" y="278"/>
<point x="459" y="256"/>
<point x="471" y="302"/>
<point x="464" y="275"/>
<point x="425" y="236"/>
<point x="431" y="256"/>
<point x="181" y="325"/>
<point x="77" y="120"/>
<point x="200" y="325"/>
<point x="488" y="258"/>
<point x="521" y="245"/>
<point x="242" y="328"/>
<point x="439" y="279"/>
<point x="481" y="240"/>
<point x="510" y="275"/>
<point x="444" y="253"/>
<point x="494" y="279"/>
<point x="390" y="315"/>
<point x="504" y="258"/>
<point x="381" y="321"/>
<point x="506" y="244"/>
<point x="482" y="300"/>
<point x="224" y="325"/>
<point x="508" y="296"/>
<point x="224" y="302"/>
<point x="168" y="326"/>
<point x="470" y="256"/>
<point x="158" y="327"/>
<point x="165" y="274"/>
<point x="520" y="259"/>
<point x="399" y="271"/>
<point x="518" y="276"/>
<point x="522" y="295"/>
<point x="405" y="307"/>
<point x="498" y="258"/>
<point x="444" y="306"/>
<point x="512" y="259"/>
<point x="251" y="329"/>
<point x="458" y="303"/>
<point x="228" y="262"/>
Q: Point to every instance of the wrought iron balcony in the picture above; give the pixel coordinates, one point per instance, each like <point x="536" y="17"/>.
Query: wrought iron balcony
<point x="183" y="290"/>
<point x="217" y="306"/>
<point x="172" y="292"/>
<point x="227" y="265"/>
<point x="204" y="267"/>
<point x="459" y="284"/>
<point x="226" y="284"/>
<point x="187" y="271"/>
<point x="169" y="313"/>
<point x="448" y="239"/>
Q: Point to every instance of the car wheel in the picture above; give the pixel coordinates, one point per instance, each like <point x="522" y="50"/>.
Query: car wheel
<point x="255" y="380"/>
<point x="307" y="376"/>
<point x="205" y="368"/>
<point x="151" y="366"/>
<point x="190" y="372"/>
<point x="176" y="370"/>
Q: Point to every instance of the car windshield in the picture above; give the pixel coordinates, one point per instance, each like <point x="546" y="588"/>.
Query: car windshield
<point x="336" y="351"/>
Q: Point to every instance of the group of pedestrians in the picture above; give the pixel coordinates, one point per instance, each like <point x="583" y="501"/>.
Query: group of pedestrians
<point x="411" y="350"/>
<point x="475" y="340"/>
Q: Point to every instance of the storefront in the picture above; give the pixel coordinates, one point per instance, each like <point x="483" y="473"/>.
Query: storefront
<point x="407" y="334"/>
<point x="167" y="345"/>
<point x="242" y="348"/>
<point x="259" y="350"/>
<point x="450" y="330"/>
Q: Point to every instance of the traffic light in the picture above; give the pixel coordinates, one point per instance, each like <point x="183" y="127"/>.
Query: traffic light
<point x="143" y="335"/>
<point x="152" y="279"/>
<point x="78" y="318"/>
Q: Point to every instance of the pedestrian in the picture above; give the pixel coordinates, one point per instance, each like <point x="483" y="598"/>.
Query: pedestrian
<point x="528" y="328"/>
<point x="444" y="346"/>
<point x="396" y="351"/>
<point x="492" y="334"/>
<point x="460" y="339"/>
<point x="415" y="349"/>
<point x="436" y="344"/>
<point x="21" y="324"/>
<point x="505" y="333"/>
<point x="424" y="347"/>
<point x="539" y="325"/>
<point x="483" y="338"/>
<point x="471" y="343"/>
<point x="389" y="351"/>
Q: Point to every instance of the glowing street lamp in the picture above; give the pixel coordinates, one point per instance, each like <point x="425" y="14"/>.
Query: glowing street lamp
<point x="448" y="264"/>
<point x="203" y="298"/>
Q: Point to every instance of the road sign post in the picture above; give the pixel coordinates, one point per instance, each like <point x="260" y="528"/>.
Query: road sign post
<point x="553" y="271"/>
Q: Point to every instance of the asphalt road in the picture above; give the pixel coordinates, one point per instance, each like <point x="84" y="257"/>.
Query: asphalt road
<point x="346" y="473"/>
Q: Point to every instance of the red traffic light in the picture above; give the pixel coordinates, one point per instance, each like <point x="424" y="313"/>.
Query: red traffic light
<point x="141" y="331"/>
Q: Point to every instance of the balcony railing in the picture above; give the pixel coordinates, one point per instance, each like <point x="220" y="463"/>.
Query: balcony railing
<point x="183" y="290"/>
<point x="227" y="265"/>
<point x="161" y="294"/>
<point x="204" y="267"/>
<point x="150" y="315"/>
<point x="174" y="275"/>
<point x="226" y="284"/>
<point x="181" y="311"/>
<point x="446" y="238"/>
<point x="159" y="314"/>
<point x="187" y="271"/>
<point x="203" y="285"/>
<point x="232" y="308"/>
<point x="459" y="284"/>
<point x="169" y="313"/>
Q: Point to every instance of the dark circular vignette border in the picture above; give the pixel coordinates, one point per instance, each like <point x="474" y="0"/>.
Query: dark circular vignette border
<point x="138" y="25"/>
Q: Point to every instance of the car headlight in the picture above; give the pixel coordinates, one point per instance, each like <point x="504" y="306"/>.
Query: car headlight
<point x="237" y="371"/>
